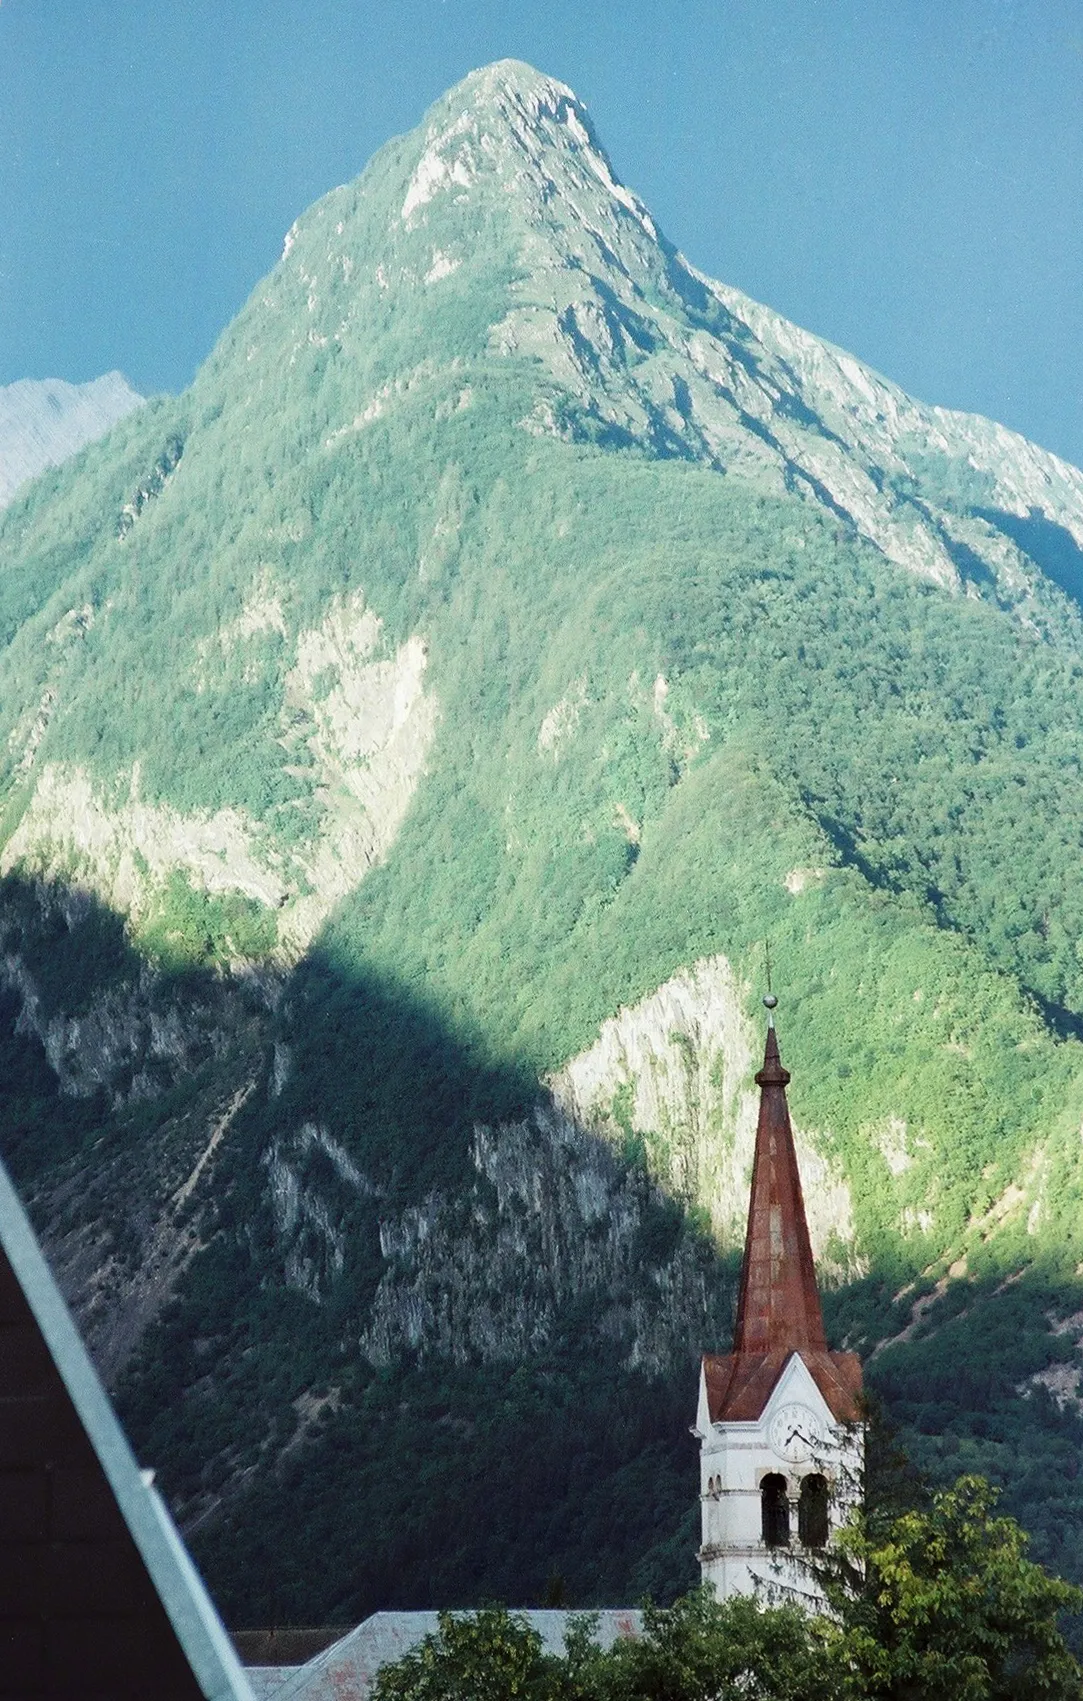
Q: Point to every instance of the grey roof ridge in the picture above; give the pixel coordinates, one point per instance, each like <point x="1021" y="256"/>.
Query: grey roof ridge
<point x="180" y="1588"/>
<point x="304" y="1674"/>
<point x="297" y="1685"/>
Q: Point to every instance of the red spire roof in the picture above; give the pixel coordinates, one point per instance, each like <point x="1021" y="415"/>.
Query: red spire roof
<point x="779" y="1302"/>
<point x="778" y="1306"/>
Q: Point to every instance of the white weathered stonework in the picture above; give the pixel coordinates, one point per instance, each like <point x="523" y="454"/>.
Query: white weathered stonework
<point x="734" y="1460"/>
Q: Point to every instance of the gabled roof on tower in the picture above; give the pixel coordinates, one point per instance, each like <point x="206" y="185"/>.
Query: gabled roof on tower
<point x="778" y="1306"/>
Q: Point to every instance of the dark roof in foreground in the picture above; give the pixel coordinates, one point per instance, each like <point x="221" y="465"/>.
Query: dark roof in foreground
<point x="98" y="1596"/>
<point x="285" y="1644"/>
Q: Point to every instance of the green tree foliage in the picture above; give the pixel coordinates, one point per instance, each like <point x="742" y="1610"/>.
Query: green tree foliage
<point x="944" y="1605"/>
<point x="701" y="1649"/>
<point x="489" y="1655"/>
<point x="952" y="1609"/>
<point x="696" y="1650"/>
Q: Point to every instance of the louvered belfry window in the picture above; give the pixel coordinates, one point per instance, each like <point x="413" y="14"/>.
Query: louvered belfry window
<point x="812" y="1511"/>
<point x="775" y="1509"/>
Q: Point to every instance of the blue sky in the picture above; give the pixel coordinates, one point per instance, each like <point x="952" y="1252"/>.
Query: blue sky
<point x="904" y="177"/>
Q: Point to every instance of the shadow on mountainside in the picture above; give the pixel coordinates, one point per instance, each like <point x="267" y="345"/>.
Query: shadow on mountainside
<point x="394" y="1332"/>
<point x="450" y="1326"/>
<point x="1052" y="548"/>
<point x="226" y="1178"/>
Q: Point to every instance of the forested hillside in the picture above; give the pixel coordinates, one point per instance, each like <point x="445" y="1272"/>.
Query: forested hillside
<point x="411" y="736"/>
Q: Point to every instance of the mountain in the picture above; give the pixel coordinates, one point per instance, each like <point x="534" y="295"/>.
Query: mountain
<point x="412" y="735"/>
<point x="43" y="421"/>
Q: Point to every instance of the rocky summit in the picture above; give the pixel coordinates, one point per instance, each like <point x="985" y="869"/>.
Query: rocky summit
<point x="412" y="734"/>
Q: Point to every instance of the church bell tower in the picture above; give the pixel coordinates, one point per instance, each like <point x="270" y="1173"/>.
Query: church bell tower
<point x="779" y="1418"/>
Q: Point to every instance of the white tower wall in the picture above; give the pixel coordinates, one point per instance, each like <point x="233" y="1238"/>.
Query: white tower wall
<point x="796" y="1436"/>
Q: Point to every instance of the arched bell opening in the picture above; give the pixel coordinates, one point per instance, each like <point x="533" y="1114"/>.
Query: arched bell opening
<point x="775" y="1510"/>
<point x="812" y="1511"/>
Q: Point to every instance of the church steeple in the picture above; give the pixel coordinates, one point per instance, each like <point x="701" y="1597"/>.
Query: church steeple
<point x="778" y="1305"/>
<point x="779" y="1417"/>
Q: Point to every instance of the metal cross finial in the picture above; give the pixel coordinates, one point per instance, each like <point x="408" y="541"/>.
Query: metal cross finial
<point x="769" y="1000"/>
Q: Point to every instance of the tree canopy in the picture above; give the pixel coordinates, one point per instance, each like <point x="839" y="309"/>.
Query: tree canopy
<point x="937" y="1604"/>
<point x="952" y="1608"/>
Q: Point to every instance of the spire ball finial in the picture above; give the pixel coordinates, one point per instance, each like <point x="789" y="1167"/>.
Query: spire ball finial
<point x="770" y="1002"/>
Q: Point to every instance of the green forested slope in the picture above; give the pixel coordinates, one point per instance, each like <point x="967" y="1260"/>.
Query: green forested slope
<point x="584" y="679"/>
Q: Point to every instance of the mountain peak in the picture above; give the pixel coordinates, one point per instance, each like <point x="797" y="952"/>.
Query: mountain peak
<point x="502" y="228"/>
<point x="509" y="79"/>
<point x="510" y="116"/>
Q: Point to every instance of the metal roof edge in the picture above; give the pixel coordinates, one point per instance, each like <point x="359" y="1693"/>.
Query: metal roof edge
<point x="180" y="1588"/>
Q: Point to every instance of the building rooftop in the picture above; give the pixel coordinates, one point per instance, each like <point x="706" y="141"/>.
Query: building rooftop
<point x="98" y="1596"/>
<point x="347" y="1670"/>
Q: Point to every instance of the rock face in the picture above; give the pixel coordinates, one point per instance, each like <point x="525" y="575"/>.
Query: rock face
<point x="363" y="737"/>
<point x="550" y="1203"/>
<point x="409" y="740"/>
<point x="44" y="420"/>
<point x="642" y="348"/>
<point x="675" y="1072"/>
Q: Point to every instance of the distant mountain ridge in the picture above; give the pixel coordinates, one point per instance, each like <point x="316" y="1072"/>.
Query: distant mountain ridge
<point x="409" y="738"/>
<point x="44" y="420"/>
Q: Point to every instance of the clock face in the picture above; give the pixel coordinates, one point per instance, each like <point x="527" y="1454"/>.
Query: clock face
<point x="796" y="1433"/>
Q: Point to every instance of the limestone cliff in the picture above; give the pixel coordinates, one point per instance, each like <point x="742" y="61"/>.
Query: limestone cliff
<point x="360" y="741"/>
<point x="675" y="1072"/>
